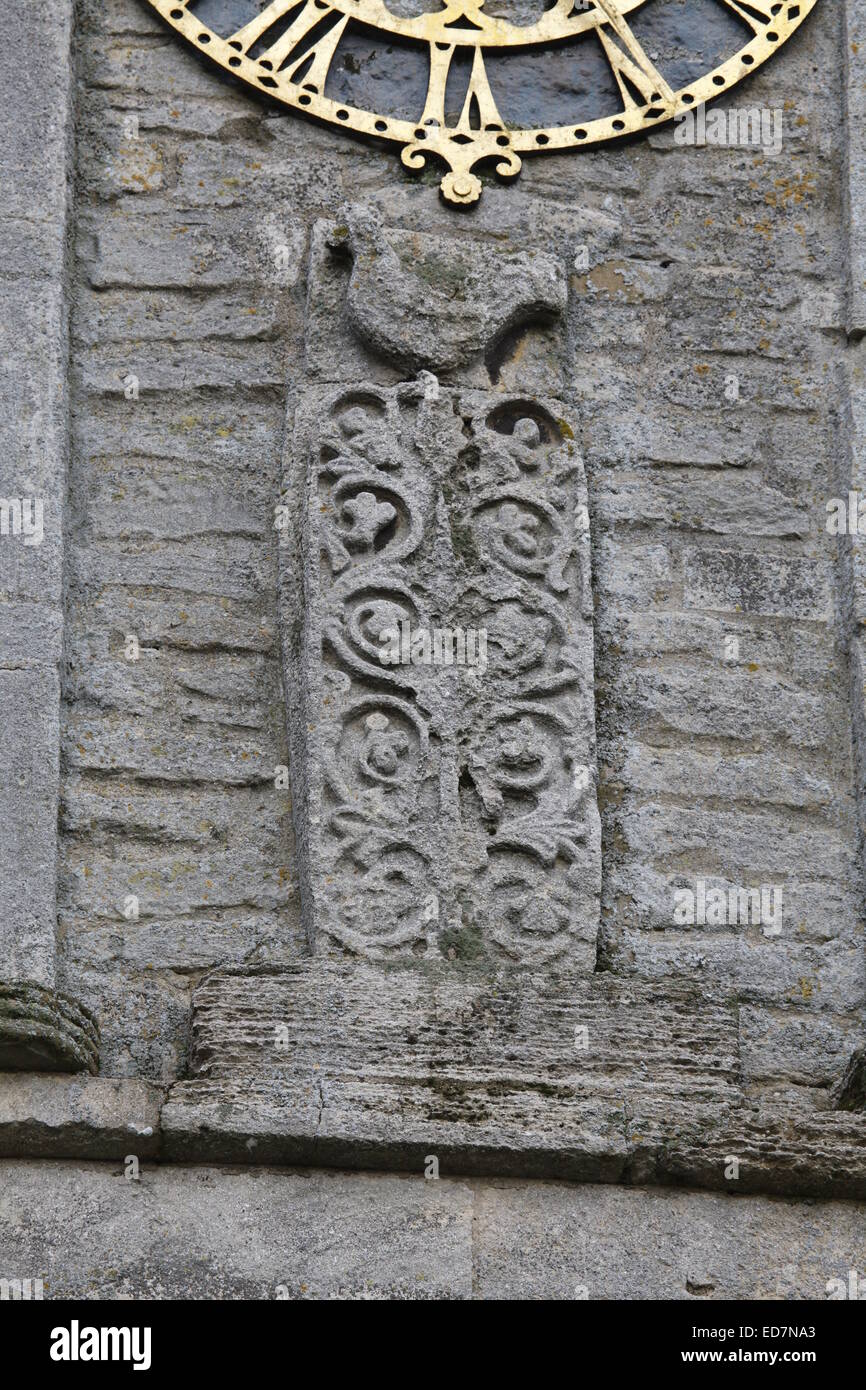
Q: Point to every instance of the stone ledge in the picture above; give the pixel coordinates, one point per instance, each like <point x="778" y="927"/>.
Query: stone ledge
<point x="331" y="1122"/>
<point x="41" y="1030"/>
<point x="347" y="1066"/>
<point x="325" y="1065"/>
<point x="45" y="1116"/>
<point x="373" y="1125"/>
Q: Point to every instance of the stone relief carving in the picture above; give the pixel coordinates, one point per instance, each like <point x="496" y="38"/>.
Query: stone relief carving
<point x="443" y="722"/>
<point x="427" y="301"/>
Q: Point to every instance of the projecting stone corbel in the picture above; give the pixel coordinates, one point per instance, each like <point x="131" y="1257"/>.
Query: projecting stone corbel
<point x="41" y="1030"/>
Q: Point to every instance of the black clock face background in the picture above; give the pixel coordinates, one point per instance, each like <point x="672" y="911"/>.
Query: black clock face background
<point x="476" y="83"/>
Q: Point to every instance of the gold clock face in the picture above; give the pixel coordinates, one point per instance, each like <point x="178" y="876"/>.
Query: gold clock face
<point x="486" y="79"/>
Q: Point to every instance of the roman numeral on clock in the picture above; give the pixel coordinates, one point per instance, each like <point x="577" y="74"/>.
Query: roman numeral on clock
<point x="631" y="67"/>
<point x="288" y="54"/>
<point x="755" y="16"/>
<point x="479" y="102"/>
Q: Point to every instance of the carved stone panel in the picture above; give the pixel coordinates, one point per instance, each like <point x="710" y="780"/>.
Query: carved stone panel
<point x="441" y="677"/>
<point x="386" y="302"/>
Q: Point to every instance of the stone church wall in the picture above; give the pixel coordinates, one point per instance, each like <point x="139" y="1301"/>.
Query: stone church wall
<point x="670" y="337"/>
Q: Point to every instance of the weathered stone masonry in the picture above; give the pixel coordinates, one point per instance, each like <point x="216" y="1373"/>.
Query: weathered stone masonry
<point x="220" y="327"/>
<point x="39" y="1028"/>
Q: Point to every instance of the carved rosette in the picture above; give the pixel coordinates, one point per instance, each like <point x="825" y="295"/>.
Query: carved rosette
<point x="443" y="702"/>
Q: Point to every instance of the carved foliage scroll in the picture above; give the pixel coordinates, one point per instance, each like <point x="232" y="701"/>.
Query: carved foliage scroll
<point x="443" y="708"/>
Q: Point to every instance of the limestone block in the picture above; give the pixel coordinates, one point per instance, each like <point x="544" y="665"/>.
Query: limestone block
<point x="29" y="734"/>
<point x="80" y="1117"/>
<point x="210" y="1234"/>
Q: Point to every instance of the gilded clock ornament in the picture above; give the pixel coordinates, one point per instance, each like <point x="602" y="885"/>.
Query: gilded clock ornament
<point x="292" y="49"/>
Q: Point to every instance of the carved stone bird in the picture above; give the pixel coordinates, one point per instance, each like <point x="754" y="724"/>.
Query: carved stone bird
<point x="429" y="303"/>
